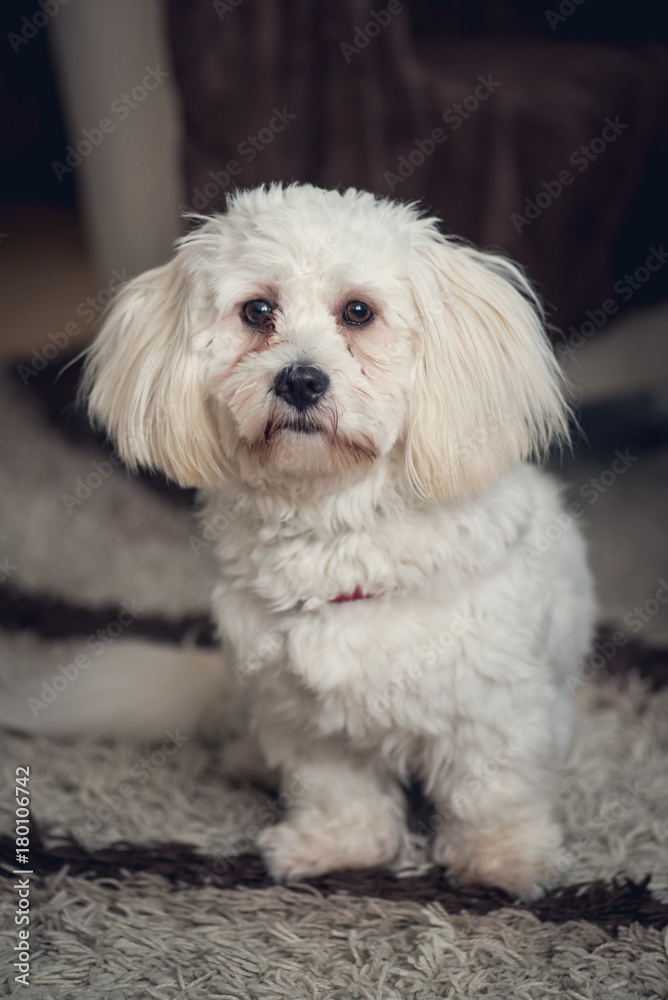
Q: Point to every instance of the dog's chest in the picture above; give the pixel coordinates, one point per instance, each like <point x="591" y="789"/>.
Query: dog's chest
<point x="293" y="565"/>
<point x="280" y="607"/>
<point x="309" y="557"/>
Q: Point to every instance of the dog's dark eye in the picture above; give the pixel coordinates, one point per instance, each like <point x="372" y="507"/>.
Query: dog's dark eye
<point x="357" y="313"/>
<point x="257" y="311"/>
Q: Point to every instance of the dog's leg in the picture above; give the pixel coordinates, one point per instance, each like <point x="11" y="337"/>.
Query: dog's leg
<point x="243" y="760"/>
<point x="497" y="827"/>
<point x="342" y="813"/>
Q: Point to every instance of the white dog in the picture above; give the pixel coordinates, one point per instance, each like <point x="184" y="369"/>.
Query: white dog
<point x="361" y="393"/>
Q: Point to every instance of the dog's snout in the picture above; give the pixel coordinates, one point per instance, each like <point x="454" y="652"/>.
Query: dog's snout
<point x="301" y="385"/>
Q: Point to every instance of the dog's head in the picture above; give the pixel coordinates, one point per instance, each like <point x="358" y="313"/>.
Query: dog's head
<point x="308" y="333"/>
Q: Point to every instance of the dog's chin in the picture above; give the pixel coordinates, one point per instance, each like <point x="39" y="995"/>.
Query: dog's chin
<point x="306" y="448"/>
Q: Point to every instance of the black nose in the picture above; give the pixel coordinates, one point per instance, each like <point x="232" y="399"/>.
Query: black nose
<point x="301" y="385"/>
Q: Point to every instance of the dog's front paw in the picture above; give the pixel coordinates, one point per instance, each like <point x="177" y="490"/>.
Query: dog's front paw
<point x="515" y="858"/>
<point x="294" y="851"/>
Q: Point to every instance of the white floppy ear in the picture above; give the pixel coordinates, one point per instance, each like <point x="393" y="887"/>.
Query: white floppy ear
<point x="143" y="380"/>
<point x="488" y="390"/>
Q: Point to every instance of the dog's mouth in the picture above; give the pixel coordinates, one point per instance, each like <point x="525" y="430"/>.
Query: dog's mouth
<point x="309" y="442"/>
<point x="283" y="444"/>
<point x="302" y="424"/>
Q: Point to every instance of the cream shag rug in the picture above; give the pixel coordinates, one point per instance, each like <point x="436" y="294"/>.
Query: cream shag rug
<point x="155" y="891"/>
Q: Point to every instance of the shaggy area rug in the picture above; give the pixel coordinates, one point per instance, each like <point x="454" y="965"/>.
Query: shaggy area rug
<point x="144" y="881"/>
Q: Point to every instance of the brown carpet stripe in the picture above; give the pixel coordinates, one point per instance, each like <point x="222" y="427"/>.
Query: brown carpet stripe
<point x="52" y="618"/>
<point x="608" y="906"/>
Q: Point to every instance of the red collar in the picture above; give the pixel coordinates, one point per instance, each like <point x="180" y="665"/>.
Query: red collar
<point x="356" y="595"/>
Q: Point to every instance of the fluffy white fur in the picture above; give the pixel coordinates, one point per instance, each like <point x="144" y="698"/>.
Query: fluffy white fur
<point x="411" y="488"/>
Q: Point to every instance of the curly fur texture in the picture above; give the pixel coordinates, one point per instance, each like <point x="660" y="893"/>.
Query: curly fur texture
<point x="405" y="483"/>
